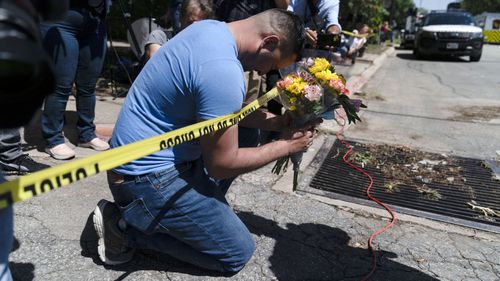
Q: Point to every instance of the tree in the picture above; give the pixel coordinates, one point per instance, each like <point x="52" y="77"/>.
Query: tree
<point x="373" y="12"/>
<point x="480" y="6"/>
<point x="354" y="12"/>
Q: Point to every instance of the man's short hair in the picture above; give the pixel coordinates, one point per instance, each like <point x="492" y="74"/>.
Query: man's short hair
<point x="288" y="26"/>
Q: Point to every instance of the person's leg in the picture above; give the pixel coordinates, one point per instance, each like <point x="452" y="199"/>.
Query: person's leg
<point x="183" y="213"/>
<point x="12" y="158"/>
<point x="6" y="239"/>
<point x="60" y="42"/>
<point x="91" y="54"/>
<point x="10" y="144"/>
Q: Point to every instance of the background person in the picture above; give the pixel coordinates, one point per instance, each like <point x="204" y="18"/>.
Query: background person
<point x="21" y="92"/>
<point x="355" y="44"/>
<point x="198" y="75"/>
<point x="325" y="16"/>
<point x="190" y="11"/>
<point x="77" y="45"/>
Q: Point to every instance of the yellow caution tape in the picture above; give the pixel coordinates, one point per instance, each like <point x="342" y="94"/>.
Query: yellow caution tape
<point x="41" y="182"/>
<point x="357" y="35"/>
<point x="492" y="36"/>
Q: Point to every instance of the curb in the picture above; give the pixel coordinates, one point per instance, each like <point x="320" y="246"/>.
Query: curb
<point x="355" y="84"/>
<point x="330" y="127"/>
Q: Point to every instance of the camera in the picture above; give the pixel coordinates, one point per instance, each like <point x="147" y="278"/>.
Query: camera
<point x="326" y="41"/>
<point x="26" y="74"/>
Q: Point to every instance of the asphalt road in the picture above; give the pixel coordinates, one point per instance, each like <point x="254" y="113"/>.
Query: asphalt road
<point x="446" y="105"/>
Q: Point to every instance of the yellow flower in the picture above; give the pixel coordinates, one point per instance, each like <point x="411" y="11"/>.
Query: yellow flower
<point x="297" y="87"/>
<point x="292" y="108"/>
<point x="293" y="99"/>
<point x="320" y="64"/>
<point x="325" y="75"/>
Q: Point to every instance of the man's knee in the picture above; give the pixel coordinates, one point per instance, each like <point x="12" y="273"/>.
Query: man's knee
<point x="240" y="257"/>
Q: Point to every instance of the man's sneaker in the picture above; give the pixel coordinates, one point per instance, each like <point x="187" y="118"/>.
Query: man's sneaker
<point x="22" y="165"/>
<point x="95" y="144"/>
<point x="111" y="246"/>
<point x="61" y="152"/>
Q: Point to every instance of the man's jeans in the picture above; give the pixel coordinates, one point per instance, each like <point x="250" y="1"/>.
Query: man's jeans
<point x="6" y="239"/>
<point x="182" y="212"/>
<point x="77" y="46"/>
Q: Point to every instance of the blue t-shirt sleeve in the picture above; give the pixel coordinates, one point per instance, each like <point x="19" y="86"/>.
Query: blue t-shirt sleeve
<point x="220" y="89"/>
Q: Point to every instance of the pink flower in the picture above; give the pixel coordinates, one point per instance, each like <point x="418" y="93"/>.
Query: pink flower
<point x="337" y="84"/>
<point x="313" y="92"/>
<point x="282" y="84"/>
<point x="307" y="62"/>
<point x="307" y="77"/>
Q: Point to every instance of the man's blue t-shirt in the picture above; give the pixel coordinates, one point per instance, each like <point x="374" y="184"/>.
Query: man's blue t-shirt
<point x="195" y="75"/>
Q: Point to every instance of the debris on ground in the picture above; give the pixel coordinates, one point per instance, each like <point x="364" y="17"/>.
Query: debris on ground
<point x="476" y="113"/>
<point x="487" y="212"/>
<point x="402" y="165"/>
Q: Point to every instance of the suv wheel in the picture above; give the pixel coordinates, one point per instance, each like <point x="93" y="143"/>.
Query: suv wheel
<point x="476" y="57"/>
<point x="417" y="54"/>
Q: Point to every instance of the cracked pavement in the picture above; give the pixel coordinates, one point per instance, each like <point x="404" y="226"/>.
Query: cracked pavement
<point x="297" y="238"/>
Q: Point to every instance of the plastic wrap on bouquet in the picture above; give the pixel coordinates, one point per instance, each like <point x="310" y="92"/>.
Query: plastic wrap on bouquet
<point x="309" y="89"/>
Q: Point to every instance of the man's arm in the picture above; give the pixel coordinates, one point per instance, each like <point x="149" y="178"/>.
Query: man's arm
<point x="329" y="10"/>
<point x="224" y="159"/>
<point x="265" y="120"/>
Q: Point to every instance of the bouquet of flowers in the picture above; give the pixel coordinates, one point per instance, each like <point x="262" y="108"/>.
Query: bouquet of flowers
<point x="310" y="90"/>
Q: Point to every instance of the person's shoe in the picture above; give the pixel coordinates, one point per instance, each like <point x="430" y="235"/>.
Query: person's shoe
<point x="95" y="144"/>
<point x="111" y="246"/>
<point x="22" y="165"/>
<point x="61" y="152"/>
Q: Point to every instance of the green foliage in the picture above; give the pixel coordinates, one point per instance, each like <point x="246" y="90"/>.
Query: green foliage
<point x="372" y="12"/>
<point x="480" y="6"/>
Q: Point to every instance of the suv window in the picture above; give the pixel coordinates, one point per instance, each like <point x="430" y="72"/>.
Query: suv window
<point x="448" y="18"/>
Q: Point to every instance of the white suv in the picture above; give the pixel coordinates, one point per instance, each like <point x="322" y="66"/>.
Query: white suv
<point x="449" y="33"/>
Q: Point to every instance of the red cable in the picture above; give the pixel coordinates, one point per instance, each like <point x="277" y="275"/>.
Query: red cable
<point x="393" y="220"/>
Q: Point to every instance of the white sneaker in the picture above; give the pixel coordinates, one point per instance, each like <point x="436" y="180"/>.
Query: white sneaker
<point x="95" y="144"/>
<point x="61" y="152"/>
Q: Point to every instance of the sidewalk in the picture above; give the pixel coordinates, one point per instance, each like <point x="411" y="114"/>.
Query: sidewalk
<point x="298" y="236"/>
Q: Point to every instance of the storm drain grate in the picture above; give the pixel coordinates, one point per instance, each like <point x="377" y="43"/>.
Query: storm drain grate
<point x="412" y="193"/>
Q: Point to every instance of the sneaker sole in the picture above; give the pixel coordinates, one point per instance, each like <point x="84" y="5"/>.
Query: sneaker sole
<point x="99" y="228"/>
<point x="59" y="157"/>
<point x="84" y="145"/>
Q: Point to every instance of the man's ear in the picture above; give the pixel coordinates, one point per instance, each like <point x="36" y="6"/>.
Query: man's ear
<point x="270" y="42"/>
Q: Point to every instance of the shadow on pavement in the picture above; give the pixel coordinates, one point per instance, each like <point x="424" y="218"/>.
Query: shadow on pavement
<point x="312" y="251"/>
<point x="20" y="270"/>
<point x="143" y="259"/>
<point x="305" y="251"/>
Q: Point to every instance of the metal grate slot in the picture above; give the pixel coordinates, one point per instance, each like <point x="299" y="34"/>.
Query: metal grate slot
<point x="446" y="200"/>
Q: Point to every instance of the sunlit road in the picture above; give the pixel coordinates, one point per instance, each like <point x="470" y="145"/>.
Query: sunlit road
<point x="447" y="105"/>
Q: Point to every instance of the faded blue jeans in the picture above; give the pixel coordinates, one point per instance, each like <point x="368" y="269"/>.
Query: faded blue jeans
<point x="77" y="46"/>
<point x="6" y="238"/>
<point x="183" y="212"/>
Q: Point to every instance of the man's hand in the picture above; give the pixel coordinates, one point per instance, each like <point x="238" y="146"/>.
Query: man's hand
<point x="333" y="29"/>
<point x="312" y="37"/>
<point x="298" y="141"/>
